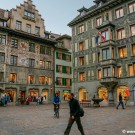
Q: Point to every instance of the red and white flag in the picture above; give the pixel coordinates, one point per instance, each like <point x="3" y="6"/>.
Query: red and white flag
<point x="103" y="38"/>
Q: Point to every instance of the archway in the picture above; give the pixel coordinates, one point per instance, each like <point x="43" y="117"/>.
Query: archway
<point x="122" y="89"/>
<point x="82" y="94"/>
<point x="103" y="93"/>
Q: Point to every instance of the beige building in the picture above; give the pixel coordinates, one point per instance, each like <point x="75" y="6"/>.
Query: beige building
<point x="26" y="56"/>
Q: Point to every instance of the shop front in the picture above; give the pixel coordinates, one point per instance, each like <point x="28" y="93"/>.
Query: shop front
<point x="12" y="94"/>
<point x="45" y="94"/>
<point x="103" y="93"/>
<point x="82" y="94"/>
<point x="123" y="90"/>
<point x="65" y="94"/>
<point x="33" y="93"/>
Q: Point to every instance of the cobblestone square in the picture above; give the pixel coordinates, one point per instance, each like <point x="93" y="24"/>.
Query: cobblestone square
<point x="39" y="120"/>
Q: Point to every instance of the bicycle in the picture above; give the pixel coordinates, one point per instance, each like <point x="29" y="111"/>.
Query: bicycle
<point x="56" y="115"/>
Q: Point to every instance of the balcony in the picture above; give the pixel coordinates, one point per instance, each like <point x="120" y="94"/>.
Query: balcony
<point x="107" y="43"/>
<point x="108" y="62"/>
<point x="109" y="81"/>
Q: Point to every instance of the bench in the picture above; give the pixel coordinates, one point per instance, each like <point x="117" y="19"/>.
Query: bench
<point x="85" y="103"/>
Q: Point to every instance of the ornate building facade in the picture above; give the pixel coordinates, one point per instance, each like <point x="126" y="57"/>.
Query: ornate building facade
<point x="103" y="38"/>
<point x="26" y="56"/>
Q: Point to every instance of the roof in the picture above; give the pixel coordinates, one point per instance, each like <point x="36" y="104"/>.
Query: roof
<point x="82" y="9"/>
<point x="94" y="10"/>
<point x="63" y="36"/>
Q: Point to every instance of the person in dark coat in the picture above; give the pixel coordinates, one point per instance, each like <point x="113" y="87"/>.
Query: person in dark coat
<point x="120" y="101"/>
<point x="74" y="115"/>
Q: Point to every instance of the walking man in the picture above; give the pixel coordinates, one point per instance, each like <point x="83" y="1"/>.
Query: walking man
<point x="120" y="101"/>
<point x="74" y="115"/>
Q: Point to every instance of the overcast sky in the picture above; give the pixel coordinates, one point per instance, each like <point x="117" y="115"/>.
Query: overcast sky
<point x="56" y="13"/>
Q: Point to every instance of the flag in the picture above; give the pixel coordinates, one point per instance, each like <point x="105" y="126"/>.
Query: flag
<point x="128" y="93"/>
<point x="103" y="38"/>
<point x="96" y="39"/>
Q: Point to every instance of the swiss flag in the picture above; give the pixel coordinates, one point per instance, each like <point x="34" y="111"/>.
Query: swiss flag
<point x="128" y="92"/>
<point x="103" y="38"/>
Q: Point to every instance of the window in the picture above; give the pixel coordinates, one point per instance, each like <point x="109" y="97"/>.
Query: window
<point x="3" y="23"/>
<point x="13" y="60"/>
<point x="121" y="34"/>
<point x="42" y="64"/>
<point x="13" y="77"/>
<point x="113" y="73"/>
<point x="130" y="69"/>
<point x="1" y="77"/>
<point x="37" y="30"/>
<point x="18" y="25"/>
<point x="59" y="68"/>
<point x="29" y="14"/>
<point x="106" y="34"/>
<point x="122" y="52"/>
<point x="107" y="72"/>
<point x="31" y="47"/>
<point x="30" y="79"/>
<point x="133" y="49"/>
<point x="31" y="62"/>
<point x="67" y="82"/>
<point x="119" y="70"/>
<point x="48" y="81"/>
<point x="81" y="46"/>
<point x="28" y="28"/>
<point x="132" y="7"/>
<point x="48" y="50"/>
<point x="59" y="55"/>
<point x="82" y="76"/>
<point x="68" y="70"/>
<point x="42" y="80"/>
<point x="99" y="74"/>
<point x="106" y="54"/>
<point x="81" y="61"/>
<point x="99" y="58"/>
<point x="3" y="39"/>
<point x="14" y="43"/>
<point x="59" y="81"/>
<point x="81" y="29"/>
<point x="99" y="21"/>
<point x="132" y="30"/>
<point x="67" y="57"/>
<point x="48" y="65"/>
<point x="2" y="57"/>
<point x="42" y="50"/>
<point x="119" y="13"/>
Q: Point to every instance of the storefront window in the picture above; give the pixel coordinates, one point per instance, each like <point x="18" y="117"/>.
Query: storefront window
<point x="82" y="94"/>
<point x="103" y="93"/>
<point x="122" y="89"/>
<point x="65" y="94"/>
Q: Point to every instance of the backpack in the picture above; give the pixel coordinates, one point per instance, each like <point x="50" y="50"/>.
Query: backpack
<point x="81" y="112"/>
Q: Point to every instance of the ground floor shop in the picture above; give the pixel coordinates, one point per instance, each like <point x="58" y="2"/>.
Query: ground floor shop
<point x="63" y="93"/>
<point x="15" y="93"/>
<point x="87" y="90"/>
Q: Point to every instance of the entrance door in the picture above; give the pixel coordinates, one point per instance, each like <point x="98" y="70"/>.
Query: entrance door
<point x="22" y="93"/>
<point x="45" y="94"/>
<point x="82" y="94"/>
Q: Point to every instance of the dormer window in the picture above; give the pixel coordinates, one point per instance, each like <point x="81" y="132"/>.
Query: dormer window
<point x="29" y="14"/>
<point x="82" y="11"/>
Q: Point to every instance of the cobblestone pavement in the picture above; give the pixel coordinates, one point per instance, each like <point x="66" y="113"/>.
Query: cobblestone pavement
<point x="39" y="120"/>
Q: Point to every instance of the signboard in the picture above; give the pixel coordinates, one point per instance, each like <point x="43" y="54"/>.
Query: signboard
<point x="66" y="91"/>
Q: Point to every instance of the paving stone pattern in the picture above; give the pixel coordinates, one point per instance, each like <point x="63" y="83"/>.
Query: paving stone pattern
<point x="39" y="120"/>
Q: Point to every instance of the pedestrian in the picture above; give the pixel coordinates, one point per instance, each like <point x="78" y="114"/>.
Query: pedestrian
<point x="120" y="101"/>
<point x="74" y="115"/>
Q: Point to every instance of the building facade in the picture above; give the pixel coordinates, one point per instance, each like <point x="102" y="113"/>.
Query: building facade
<point x="26" y="56"/>
<point x="103" y="39"/>
<point x="63" y="66"/>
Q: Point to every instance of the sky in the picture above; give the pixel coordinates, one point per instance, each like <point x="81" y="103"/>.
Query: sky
<point x="56" y="13"/>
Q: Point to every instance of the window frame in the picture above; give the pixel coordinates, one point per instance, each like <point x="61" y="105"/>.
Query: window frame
<point x="119" y="14"/>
